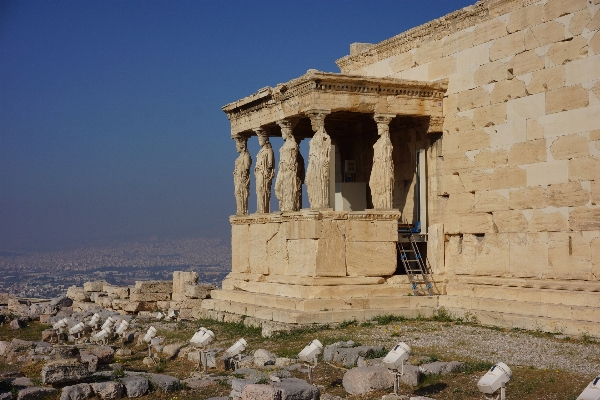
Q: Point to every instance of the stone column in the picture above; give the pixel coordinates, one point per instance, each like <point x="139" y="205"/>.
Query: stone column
<point x="288" y="184"/>
<point x="241" y="175"/>
<point x="300" y="177"/>
<point x="264" y="171"/>
<point x="317" y="175"/>
<point x="381" y="181"/>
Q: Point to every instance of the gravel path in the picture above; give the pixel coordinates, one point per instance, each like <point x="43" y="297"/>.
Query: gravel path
<point x="485" y="344"/>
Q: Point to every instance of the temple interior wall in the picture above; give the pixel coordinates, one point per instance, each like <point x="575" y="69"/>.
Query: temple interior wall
<point x="515" y="178"/>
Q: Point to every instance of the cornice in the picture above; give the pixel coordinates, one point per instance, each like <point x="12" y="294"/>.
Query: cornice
<point x="437" y="29"/>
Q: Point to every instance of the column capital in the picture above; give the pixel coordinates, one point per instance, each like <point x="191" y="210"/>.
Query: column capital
<point x="317" y="118"/>
<point x="260" y="132"/>
<point x="287" y="126"/>
<point x="381" y="118"/>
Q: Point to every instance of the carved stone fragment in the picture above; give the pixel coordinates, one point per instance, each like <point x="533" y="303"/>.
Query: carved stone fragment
<point x="241" y="175"/>
<point x="264" y="172"/>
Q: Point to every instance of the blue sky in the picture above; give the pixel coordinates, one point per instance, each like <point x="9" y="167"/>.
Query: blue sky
<point x="111" y="126"/>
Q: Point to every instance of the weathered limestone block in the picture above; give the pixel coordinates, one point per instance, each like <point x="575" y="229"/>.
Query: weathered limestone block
<point x="579" y="21"/>
<point x="534" y="130"/>
<point x="153" y="287"/>
<point x="548" y="33"/>
<point x="435" y="248"/>
<point x="525" y="17"/>
<point x="529" y="197"/>
<point x="595" y="250"/>
<point x="528" y="254"/>
<point x="547" y="173"/>
<point x="116" y="291"/>
<point x="77" y="294"/>
<point x="566" y="98"/>
<point x="489" y="30"/>
<point x="150" y="297"/>
<point x="302" y="256"/>
<point x="455" y="223"/>
<point x="429" y="52"/>
<point x="547" y="222"/>
<point x="489" y="115"/>
<point x="509" y="45"/>
<point x="460" y="202"/>
<point x="260" y="234"/>
<point x="240" y="240"/>
<point x="303" y="228"/>
<point x="491" y="72"/>
<point x="587" y="69"/>
<point x="474" y="140"/>
<point x="458" y="41"/>
<point x="526" y="107"/>
<point x="564" y="52"/>
<point x="94" y="286"/>
<point x="570" y="194"/>
<point x="442" y="68"/>
<point x="584" y="169"/>
<point x="510" y="221"/>
<point x="451" y="184"/>
<point x="456" y="163"/>
<point x="474" y="98"/>
<point x="402" y="62"/>
<point x="375" y="231"/>
<point x="508" y="177"/>
<point x="569" y="255"/>
<point x="595" y="191"/>
<point x="63" y="371"/>
<point x="198" y="291"/>
<point x="370" y="258"/>
<point x="570" y="146"/>
<point x="476" y="180"/>
<point x="490" y="200"/>
<point x="277" y="253"/>
<point x="528" y="152"/>
<point x="481" y="254"/>
<point x="595" y="43"/>
<point x="506" y="90"/>
<point x="547" y="79"/>
<point x="585" y="219"/>
<point x="181" y="280"/>
<point x="524" y="63"/>
<point x="331" y="253"/>
<point x="557" y="8"/>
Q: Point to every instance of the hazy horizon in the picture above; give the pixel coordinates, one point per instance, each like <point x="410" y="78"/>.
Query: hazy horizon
<point x="111" y="126"/>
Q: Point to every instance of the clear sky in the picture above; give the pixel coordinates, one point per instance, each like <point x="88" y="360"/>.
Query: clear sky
<point x="110" y="111"/>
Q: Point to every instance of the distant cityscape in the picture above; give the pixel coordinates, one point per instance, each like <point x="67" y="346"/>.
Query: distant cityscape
<point x="49" y="274"/>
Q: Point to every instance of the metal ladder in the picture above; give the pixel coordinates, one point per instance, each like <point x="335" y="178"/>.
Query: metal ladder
<point x="416" y="268"/>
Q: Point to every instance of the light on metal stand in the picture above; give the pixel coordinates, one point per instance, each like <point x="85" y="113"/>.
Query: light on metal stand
<point x="202" y="339"/>
<point x="236" y="350"/>
<point x="309" y="355"/>
<point x="148" y="339"/>
<point x="496" y="378"/>
<point x="121" y="331"/>
<point x="59" y="327"/>
<point x="394" y="361"/>
<point x="94" y="323"/>
<point x="76" y="331"/>
<point x="592" y="391"/>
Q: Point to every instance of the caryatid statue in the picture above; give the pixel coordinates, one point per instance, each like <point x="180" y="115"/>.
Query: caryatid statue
<point x="317" y="175"/>
<point x="299" y="177"/>
<point x="288" y="184"/>
<point x="264" y="171"/>
<point x="381" y="181"/>
<point x="241" y="175"/>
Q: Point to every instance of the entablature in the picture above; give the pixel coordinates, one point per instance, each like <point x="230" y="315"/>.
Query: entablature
<point x="318" y="90"/>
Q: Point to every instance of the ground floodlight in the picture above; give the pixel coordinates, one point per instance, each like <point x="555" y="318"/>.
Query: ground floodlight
<point x="102" y="335"/>
<point x="159" y="315"/>
<point x="77" y="329"/>
<point x="592" y="391"/>
<point x="396" y="358"/>
<point x="310" y="352"/>
<point x="202" y="338"/>
<point x="173" y="314"/>
<point x="95" y="320"/>
<point x="108" y="324"/>
<point x="122" y="327"/>
<point x="394" y="361"/>
<point x="237" y="348"/>
<point x="309" y="355"/>
<point x="496" y="378"/>
<point x="60" y="324"/>
<point x="150" y="334"/>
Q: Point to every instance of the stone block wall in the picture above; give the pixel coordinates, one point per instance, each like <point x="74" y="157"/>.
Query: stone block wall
<point x="515" y="178"/>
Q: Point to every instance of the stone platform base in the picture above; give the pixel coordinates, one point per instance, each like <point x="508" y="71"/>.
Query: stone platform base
<point x="566" y="307"/>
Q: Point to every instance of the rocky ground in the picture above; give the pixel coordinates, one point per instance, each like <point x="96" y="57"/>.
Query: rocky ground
<point x="448" y="358"/>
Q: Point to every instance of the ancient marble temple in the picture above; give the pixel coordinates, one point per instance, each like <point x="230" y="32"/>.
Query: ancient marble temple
<point x="480" y="131"/>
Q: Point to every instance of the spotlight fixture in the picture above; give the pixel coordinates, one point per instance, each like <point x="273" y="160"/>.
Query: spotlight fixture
<point x="236" y="350"/>
<point x="394" y="361"/>
<point x="592" y="391"/>
<point x="496" y="378"/>
<point x="309" y="355"/>
<point x="201" y="339"/>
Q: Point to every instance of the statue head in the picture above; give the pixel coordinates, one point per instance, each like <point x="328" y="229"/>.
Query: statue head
<point x="240" y="143"/>
<point x="263" y="138"/>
